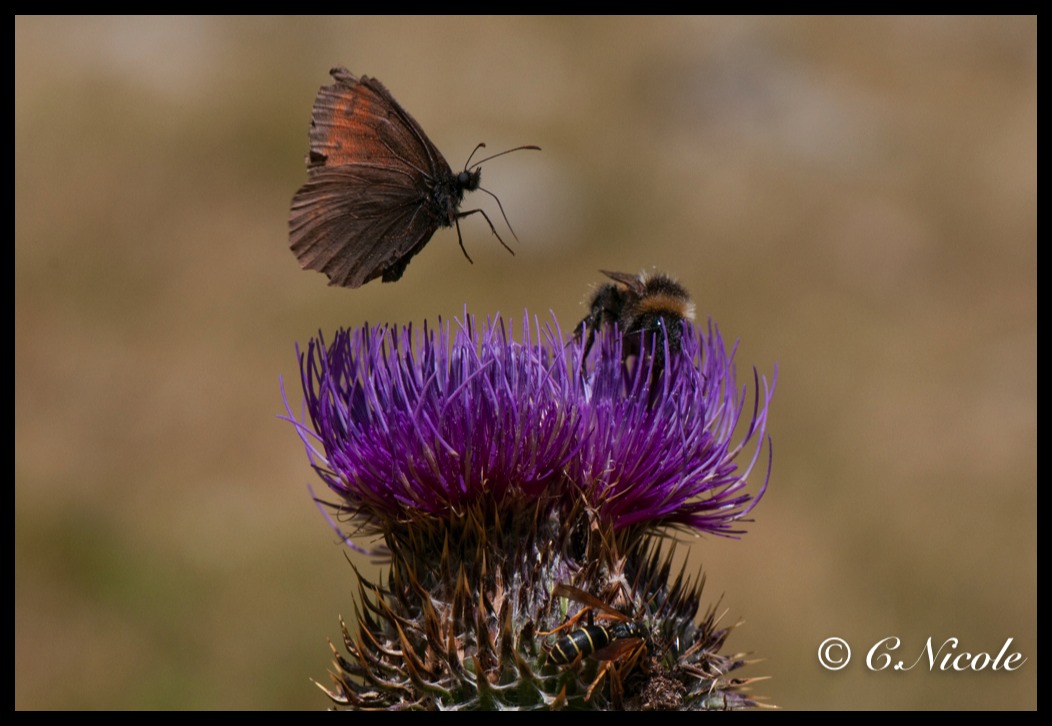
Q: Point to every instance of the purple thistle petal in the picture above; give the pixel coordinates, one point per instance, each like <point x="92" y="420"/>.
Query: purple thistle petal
<point x="406" y="425"/>
<point x="666" y="457"/>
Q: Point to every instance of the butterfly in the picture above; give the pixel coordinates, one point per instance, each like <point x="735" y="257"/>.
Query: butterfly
<point x="377" y="187"/>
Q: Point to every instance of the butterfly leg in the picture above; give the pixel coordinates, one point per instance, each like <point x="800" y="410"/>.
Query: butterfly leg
<point x="501" y="207"/>
<point x="460" y="239"/>
<point x="491" y="227"/>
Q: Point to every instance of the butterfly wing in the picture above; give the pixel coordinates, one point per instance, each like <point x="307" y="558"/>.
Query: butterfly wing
<point x="357" y="223"/>
<point x="358" y="121"/>
<point x="368" y="205"/>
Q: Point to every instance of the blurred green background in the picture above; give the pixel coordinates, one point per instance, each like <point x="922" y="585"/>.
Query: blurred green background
<point x="855" y="199"/>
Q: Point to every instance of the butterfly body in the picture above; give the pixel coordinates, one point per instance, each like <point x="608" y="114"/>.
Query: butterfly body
<point x="377" y="187"/>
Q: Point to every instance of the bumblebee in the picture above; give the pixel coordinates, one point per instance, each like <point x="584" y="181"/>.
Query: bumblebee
<point x="647" y="309"/>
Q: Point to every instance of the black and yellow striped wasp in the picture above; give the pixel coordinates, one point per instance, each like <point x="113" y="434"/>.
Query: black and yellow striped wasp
<point x="619" y="645"/>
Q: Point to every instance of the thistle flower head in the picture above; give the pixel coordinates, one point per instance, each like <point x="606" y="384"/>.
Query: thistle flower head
<point x="407" y="425"/>
<point x="504" y="471"/>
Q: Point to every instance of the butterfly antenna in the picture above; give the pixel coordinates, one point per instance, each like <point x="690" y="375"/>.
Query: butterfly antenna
<point x="468" y="162"/>
<point x="468" y="165"/>
<point x="508" y="151"/>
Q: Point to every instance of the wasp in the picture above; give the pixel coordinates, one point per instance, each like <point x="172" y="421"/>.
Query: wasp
<point x="592" y="638"/>
<point x="619" y="644"/>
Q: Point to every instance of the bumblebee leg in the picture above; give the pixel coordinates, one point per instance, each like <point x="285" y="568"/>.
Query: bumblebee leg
<point x="606" y="303"/>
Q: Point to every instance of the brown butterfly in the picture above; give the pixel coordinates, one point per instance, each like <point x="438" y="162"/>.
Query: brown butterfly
<point x="377" y="187"/>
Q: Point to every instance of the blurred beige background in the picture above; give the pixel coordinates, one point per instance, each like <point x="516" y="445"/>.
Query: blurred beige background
<point x="854" y="199"/>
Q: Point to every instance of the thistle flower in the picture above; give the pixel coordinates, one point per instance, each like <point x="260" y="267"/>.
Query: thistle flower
<point x="503" y="474"/>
